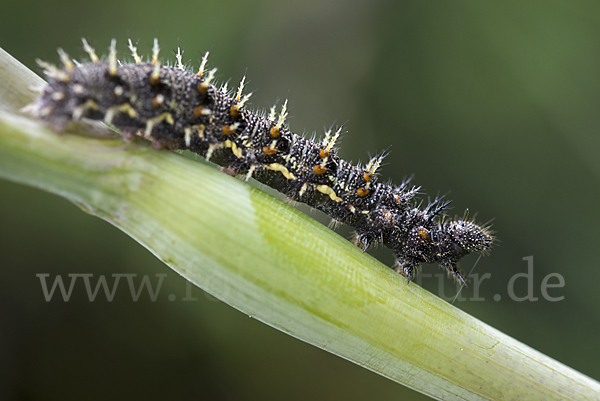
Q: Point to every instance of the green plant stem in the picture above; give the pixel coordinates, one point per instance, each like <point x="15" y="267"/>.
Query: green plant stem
<point x="274" y="263"/>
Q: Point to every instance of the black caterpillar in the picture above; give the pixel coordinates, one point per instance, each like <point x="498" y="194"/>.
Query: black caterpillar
<point x="179" y="109"/>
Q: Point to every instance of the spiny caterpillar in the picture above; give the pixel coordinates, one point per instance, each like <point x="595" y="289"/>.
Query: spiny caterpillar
<point x="180" y="109"/>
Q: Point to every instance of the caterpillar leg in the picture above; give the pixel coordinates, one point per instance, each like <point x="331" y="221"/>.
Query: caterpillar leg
<point x="363" y="241"/>
<point x="453" y="269"/>
<point x="406" y="267"/>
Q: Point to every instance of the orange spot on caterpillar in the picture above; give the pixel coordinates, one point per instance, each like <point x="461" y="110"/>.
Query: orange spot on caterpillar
<point x="234" y="111"/>
<point x="323" y="153"/>
<point x="198" y="111"/>
<point x="228" y="129"/>
<point x="154" y="79"/>
<point x="368" y="177"/>
<point x="319" y="169"/>
<point x="202" y="87"/>
<point x="275" y="132"/>
<point x="158" y="100"/>
<point x="362" y="192"/>
<point x="269" y="150"/>
<point x="424" y="234"/>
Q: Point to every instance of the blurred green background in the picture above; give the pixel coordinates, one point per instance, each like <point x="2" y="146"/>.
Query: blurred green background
<point x="494" y="102"/>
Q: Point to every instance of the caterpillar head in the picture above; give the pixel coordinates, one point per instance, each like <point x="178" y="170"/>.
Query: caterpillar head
<point x="470" y="236"/>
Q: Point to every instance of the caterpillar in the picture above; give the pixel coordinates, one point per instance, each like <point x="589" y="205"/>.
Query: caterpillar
<point x="179" y="109"/>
